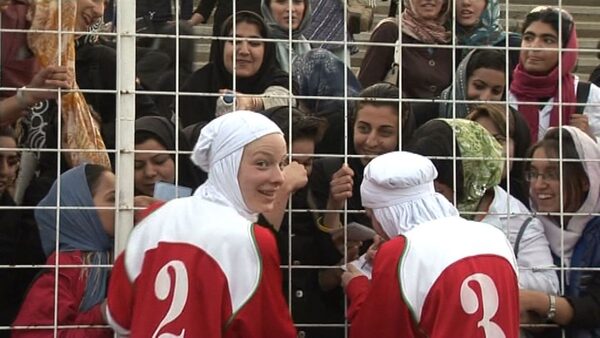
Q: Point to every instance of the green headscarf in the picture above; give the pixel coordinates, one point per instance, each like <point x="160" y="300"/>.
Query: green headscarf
<point x="479" y="175"/>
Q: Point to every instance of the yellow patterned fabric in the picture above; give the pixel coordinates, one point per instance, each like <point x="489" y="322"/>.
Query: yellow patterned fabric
<point x="79" y="128"/>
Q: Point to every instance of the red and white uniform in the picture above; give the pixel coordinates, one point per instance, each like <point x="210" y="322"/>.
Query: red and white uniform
<point x="445" y="278"/>
<point x="195" y="268"/>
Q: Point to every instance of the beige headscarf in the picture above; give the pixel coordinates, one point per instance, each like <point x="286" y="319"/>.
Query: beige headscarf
<point x="79" y="128"/>
<point x="422" y="30"/>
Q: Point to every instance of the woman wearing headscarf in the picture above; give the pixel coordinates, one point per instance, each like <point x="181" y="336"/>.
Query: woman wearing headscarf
<point x="320" y="73"/>
<point x="478" y="195"/>
<point x="80" y="129"/>
<point x="438" y="275"/>
<point x="257" y="72"/>
<point x="84" y="238"/>
<point x="200" y="265"/>
<point x="539" y="84"/>
<point x="564" y="175"/>
<point x="480" y="76"/>
<point x="426" y="71"/>
<point x="478" y="24"/>
<point x="276" y="14"/>
<point x="158" y="133"/>
<point x="19" y="237"/>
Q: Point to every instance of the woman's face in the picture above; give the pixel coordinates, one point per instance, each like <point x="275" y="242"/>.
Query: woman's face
<point x="507" y="145"/>
<point x="152" y="167"/>
<point x="88" y="12"/>
<point x="444" y="190"/>
<point x="545" y="191"/>
<point x="486" y="84"/>
<point x="280" y="9"/>
<point x="104" y="197"/>
<point x="249" y="54"/>
<point x="542" y="36"/>
<point x="9" y="163"/>
<point x="375" y="131"/>
<point x="429" y="10"/>
<point x="468" y="12"/>
<point x="260" y="174"/>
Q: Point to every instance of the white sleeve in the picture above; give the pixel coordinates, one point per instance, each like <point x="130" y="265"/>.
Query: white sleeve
<point x="592" y="110"/>
<point x="535" y="259"/>
<point x="280" y="97"/>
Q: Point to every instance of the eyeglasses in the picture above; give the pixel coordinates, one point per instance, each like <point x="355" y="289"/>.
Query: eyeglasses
<point x="549" y="176"/>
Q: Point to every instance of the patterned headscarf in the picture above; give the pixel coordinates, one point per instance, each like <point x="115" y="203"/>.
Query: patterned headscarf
<point x="481" y="162"/>
<point x="422" y="30"/>
<point x="487" y="32"/>
<point x="79" y="128"/>
<point x="461" y="85"/>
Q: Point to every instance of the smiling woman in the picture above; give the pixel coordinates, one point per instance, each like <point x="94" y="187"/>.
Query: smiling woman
<point x="539" y="75"/>
<point x="248" y="67"/>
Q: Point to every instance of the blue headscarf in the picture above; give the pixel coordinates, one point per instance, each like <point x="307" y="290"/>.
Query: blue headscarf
<point x="488" y="31"/>
<point x="321" y="73"/>
<point x="79" y="230"/>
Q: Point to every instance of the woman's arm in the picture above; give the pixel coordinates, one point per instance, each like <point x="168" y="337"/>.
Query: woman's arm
<point x="52" y="77"/>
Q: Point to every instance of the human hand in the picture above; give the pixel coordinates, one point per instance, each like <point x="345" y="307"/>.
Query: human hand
<point x="350" y="273"/>
<point x="196" y="19"/>
<point x="582" y="122"/>
<point x="337" y="237"/>
<point x="372" y="251"/>
<point x="295" y="176"/>
<point x="51" y="77"/>
<point x="340" y="187"/>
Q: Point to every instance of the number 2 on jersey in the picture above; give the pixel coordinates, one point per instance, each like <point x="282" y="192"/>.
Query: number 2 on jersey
<point x="162" y="289"/>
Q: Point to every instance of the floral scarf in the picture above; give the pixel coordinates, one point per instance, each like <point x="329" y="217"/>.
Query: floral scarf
<point x="478" y="175"/>
<point x="422" y="30"/>
<point x="79" y="128"/>
<point x="488" y="32"/>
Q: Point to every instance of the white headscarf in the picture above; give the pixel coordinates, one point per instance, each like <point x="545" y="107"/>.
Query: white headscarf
<point x="398" y="187"/>
<point x="587" y="149"/>
<point x="219" y="152"/>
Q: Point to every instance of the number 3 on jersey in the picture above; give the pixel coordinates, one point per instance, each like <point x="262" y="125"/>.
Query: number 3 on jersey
<point x="162" y="289"/>
<point x="489" y="303"/>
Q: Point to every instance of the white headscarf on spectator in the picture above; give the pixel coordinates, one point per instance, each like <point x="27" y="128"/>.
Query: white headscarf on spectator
<point x="219" y="153"/>
<point x="398" y="187"/>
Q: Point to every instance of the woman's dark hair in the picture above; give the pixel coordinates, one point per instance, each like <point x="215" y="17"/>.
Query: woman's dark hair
<point x="434" y="138"/>
<point x="518" y="131"/>
<point x="383" y="90"/>
<point x="574" y="175"/>
<point x="550" y="15"/>
<point x="486" y="58"/>
<point x="92" y="176"/>
<point x="304" y="126"/>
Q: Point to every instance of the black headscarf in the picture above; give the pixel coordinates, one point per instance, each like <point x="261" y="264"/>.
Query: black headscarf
<point x="214" y="76"/>
<point x="163" y="131"/>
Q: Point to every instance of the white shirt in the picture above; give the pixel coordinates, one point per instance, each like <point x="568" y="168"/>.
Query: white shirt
<point x="534" y="249"/>
<point x="592" y="110"/>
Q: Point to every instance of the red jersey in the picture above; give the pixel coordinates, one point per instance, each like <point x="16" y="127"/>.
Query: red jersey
<point x="195" y="268"/>
<point x="446" y="278"/>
